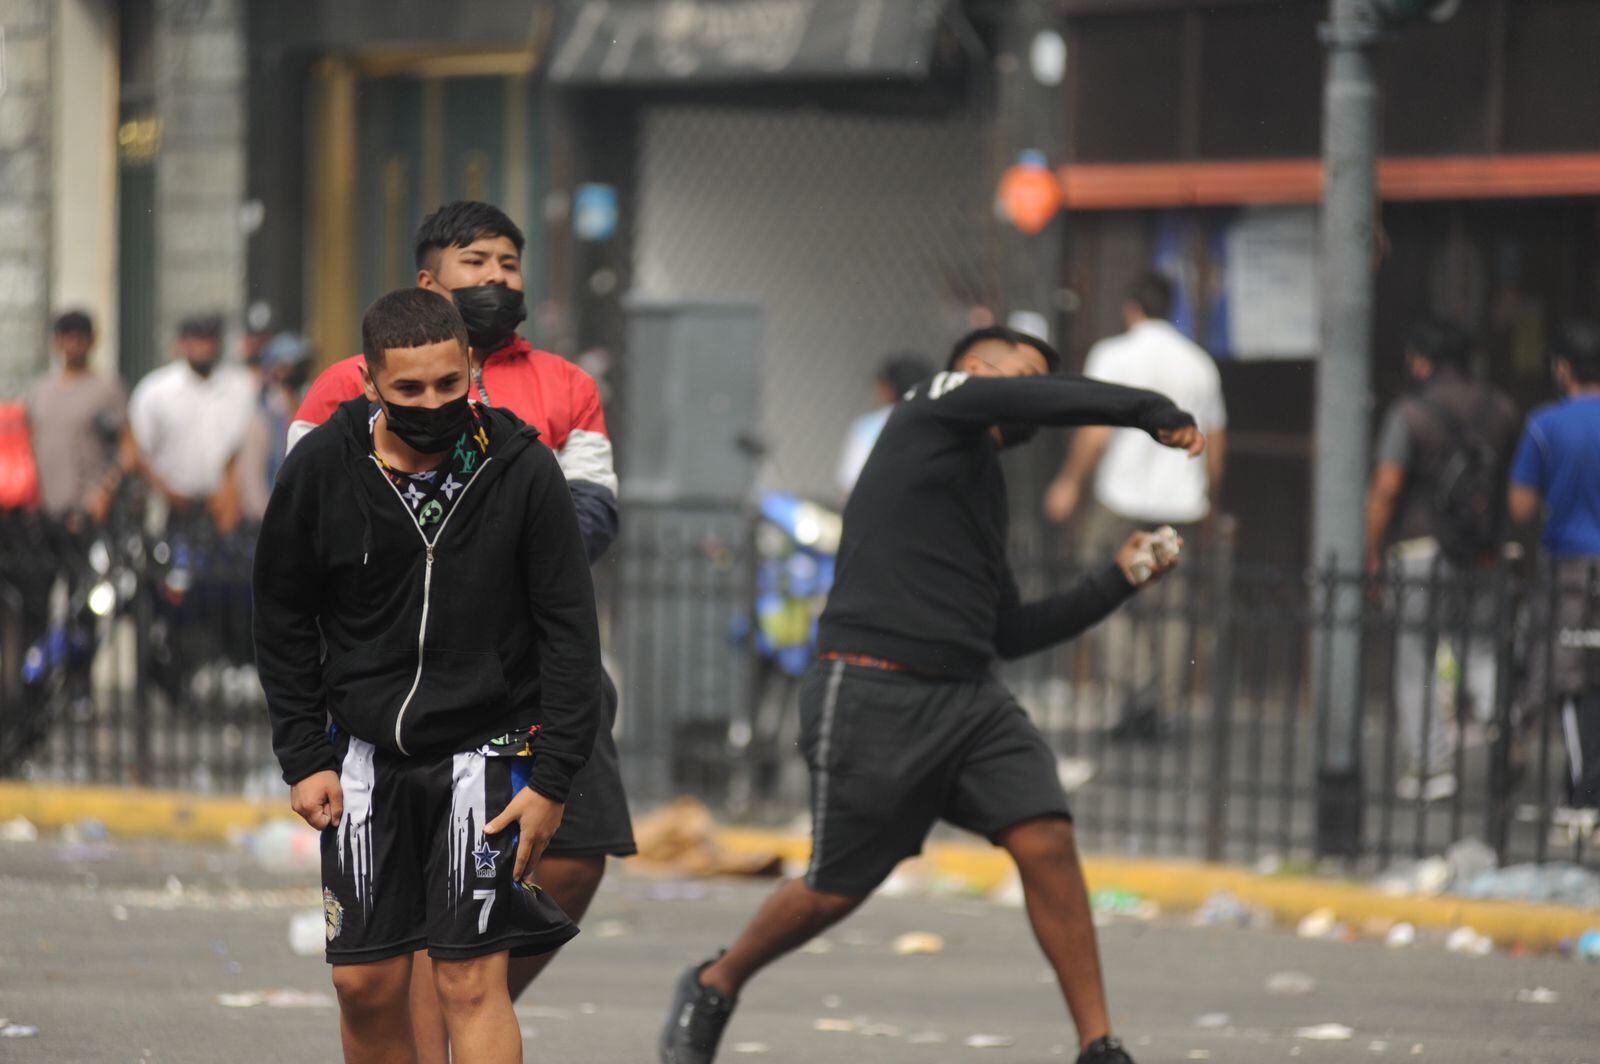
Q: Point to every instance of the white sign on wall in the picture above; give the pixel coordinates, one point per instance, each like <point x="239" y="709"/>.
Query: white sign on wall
<point x="1274" y="306"/>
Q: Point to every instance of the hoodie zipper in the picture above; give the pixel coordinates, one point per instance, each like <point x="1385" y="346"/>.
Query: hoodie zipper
<point x="427" y="586"/>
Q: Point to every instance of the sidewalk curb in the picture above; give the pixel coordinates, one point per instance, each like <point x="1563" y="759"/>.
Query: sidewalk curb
<point x="132" y="812"/>
<point x="1171" y="884"/>
<point x="1184" y="885"/>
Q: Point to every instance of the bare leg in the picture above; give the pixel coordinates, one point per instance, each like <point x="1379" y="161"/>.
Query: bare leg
<point x="793" y="916"/>
<point x="427" y="1018"/>
<point x="1058" y="908"/>
<point x="571" y="883"/>
<point x="477" y="1010"/>
<point x="374" y="1021"/>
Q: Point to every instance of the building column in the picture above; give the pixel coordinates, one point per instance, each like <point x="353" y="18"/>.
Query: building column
<point x="25" y="175"/>
<point x="84" y="187"/>
<point x="200" y="257"/>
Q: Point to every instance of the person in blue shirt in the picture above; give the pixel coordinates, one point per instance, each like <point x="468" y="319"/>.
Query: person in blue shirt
<point x="1557" y="470"/>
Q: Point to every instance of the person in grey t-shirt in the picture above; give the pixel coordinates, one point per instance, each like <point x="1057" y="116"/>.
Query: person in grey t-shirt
<point x="75" y="417"/>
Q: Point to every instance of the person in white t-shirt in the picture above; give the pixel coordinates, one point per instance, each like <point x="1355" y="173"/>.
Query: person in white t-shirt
<point x="187" y="421"/>
<point x="1139" y="484"/>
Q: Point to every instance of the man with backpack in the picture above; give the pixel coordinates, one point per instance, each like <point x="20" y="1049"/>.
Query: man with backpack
<point x="1435" y="516"/>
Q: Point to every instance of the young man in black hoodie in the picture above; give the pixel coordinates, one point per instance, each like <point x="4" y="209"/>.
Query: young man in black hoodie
<point x="421" y="581"/>
<point x="902" y="720"/>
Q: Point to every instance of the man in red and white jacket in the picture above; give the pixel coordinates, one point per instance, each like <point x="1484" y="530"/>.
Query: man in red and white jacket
<point x="472" y="252"/>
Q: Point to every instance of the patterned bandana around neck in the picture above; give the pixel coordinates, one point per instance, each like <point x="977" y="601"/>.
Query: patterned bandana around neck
<point x="431" y="493"/>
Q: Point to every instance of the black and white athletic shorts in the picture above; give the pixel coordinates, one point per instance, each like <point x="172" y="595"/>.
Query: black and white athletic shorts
<point x="891" y="754"/>
<point x="596" y="822"/>
<point x="408" y="867"/>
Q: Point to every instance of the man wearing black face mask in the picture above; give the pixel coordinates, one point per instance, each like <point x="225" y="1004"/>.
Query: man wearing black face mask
<point x="902" y="721"/>
<point x="472" y="252"/>
<point x="187" y="421"/>
<point x="420" y="579"/>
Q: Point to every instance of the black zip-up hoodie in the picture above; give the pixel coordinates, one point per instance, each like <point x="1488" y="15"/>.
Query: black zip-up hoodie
<point x="418" y="649"/>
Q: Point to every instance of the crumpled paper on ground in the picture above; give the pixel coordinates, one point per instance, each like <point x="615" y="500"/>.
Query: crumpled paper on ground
<point x="682" y="837"/>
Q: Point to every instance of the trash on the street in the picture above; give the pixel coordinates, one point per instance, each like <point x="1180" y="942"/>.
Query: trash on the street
<point x="1198" y="1054"/>
<point x="18" y="829"/>
<point x="17" y="1030"/>
<point x="918" y="943"/>
<point x="832" y="1001"/>
<point x="1425" y="878"/>
<point x="1588" y="948"/>
<point x="1290" y="984"/>
<point x="682" y="836"/>
<point x="1009" y="893"/>
<point x="1325" y="1032"/>
<point x="286" y="998"/>
<point x="989" y="1041"/>
<point x="1539" y="995"/>
<point x="611" y="929"/>
<point x="284" y="845"/>
<point x="818" y="947"/>
<point x="1558" y="883"/>
<point x="1211" y="1020"/>
<point x="911" y="878"/>
<point x="751" y="1047"/>
<point x="1226" y="909"/>
<point x="119" y="913"/>
<point x="308" y="932"/>
<point x="878" y="1030"/>
<point x="1468" y="942"/>
<point x="1319" y="923"/>
<point x="1377" y="1046"/>
<point x="1115" y="902"/>
<point x="1400" y="936"/>
<point x="833" y="1025"/>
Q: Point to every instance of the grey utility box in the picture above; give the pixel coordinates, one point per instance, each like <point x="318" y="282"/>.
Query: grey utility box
<point x="692" y="403"/>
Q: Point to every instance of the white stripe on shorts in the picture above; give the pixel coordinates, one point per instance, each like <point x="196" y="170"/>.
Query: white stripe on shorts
<point x="824" y="744"/>
<point x="469" y="800"/>
<point x="357" y="775"/>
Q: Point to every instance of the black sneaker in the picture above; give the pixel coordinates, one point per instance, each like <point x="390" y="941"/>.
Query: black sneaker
<point x="1105" y="1051"/>
<point x="695" y="1021"/>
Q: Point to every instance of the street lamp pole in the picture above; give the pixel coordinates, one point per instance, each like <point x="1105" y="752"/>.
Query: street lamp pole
<point x="1349" y="213"/>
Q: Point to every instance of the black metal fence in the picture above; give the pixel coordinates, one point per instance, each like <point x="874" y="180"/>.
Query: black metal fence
<point x="1191" y="723"/>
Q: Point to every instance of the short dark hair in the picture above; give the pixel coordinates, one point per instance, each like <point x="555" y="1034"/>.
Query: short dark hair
<point x="1152" y="292"/>
<point x="74" y="321"/>
<point x="201" y="326"/>
<point x="1577" y="343"/>
<point x="1441" y="342"/>
<point x="903" y="370"/>
<point x="409" y="317"/>
<point x="1006" y="335"/>
<point x="458" y="224"/>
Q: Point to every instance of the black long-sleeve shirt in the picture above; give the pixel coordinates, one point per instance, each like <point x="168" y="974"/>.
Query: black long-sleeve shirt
<point x="922" y="577"/>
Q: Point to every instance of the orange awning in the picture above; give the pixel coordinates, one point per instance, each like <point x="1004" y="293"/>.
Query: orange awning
<point x="1120" y="186"/>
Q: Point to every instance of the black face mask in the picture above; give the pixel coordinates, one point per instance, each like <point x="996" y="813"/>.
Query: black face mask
<point x="425" y="429"/>
<point x="492" y="313"/>
<point x="202" y="369"/>
<point x="1016" y="433"/>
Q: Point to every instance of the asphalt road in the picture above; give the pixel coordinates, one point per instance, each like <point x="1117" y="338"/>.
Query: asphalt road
<point x="120" y="953"/>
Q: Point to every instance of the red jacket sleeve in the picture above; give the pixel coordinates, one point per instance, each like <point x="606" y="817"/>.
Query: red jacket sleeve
<point x="337" y="384"/>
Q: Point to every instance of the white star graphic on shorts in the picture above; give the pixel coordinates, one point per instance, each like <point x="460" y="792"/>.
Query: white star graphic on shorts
<point x="450" y="487"/>
<point x="485" y="857"/>
<point x="414" y="494"/>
